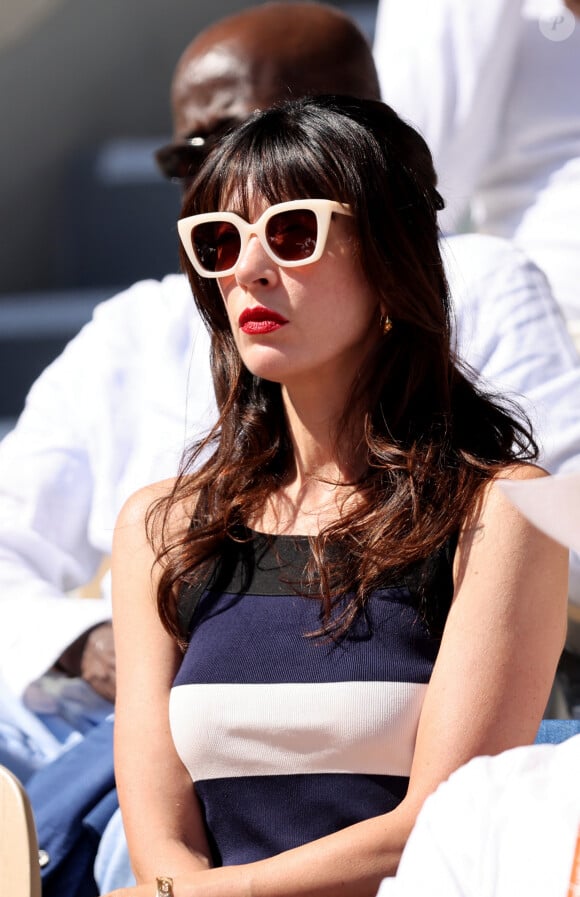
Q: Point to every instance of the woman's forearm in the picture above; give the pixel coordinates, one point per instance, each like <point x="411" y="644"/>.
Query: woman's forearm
<point x="350" y="862"/>
<point x="170" y="858"/>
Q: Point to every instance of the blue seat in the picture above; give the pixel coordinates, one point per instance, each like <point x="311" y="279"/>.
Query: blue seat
<point x="553" y="731"/>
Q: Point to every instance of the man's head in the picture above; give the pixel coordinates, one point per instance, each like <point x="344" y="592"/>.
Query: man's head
<point x="261" y="56"/>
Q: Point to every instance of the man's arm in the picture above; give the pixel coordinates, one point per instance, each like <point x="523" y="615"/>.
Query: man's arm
<point x="110" y="415"/>
<point x="46" y="495"/>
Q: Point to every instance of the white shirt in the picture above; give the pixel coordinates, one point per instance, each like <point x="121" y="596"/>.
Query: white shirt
<point x="498" y="827"/>
<point x="110" y="415"/>
<point x="493" y="88"/>
<point x="115" y="410"/>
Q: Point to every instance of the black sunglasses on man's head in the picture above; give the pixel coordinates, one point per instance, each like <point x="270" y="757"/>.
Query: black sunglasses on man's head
<point x="179" y="161"/>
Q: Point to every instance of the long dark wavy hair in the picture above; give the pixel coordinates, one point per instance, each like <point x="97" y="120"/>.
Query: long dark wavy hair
<point x="428" y="437"/>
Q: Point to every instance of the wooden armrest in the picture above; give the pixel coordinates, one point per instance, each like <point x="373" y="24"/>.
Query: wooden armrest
<point x="18" y="842"/>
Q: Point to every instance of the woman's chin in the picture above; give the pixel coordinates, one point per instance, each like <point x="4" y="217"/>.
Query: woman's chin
<point x="269" y="364"/>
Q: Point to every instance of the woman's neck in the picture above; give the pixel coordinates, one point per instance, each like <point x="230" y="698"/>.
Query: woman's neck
<point x="319" y="489"/>
<point x="323" y="449"/>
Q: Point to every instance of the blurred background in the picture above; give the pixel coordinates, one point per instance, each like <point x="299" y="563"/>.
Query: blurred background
<point x="84" y="90"/>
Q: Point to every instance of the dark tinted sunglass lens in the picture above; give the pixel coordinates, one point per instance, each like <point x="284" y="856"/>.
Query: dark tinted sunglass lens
<point x="292" y="234"/>
<point x="216" y="245"/>
<point x="179" y="162"/>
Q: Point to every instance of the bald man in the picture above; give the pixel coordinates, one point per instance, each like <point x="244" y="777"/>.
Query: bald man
<point x="133" y="388"/>
<point x="264" y="55"/>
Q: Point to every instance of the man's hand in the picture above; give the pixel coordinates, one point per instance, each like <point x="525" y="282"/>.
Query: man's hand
<point x="92" y="656"/>
<point x="98" y="661"/>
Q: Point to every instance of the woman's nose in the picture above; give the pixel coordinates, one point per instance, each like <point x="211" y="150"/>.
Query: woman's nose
<point x="255" y="265"/>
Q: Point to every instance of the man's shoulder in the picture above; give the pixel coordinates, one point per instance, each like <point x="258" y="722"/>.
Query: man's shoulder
<point x="148" y="299"/>
<point x="152" y="326"/>
<point x="479" y="256"/>
<point x="155" y="315"/>
<point x="492" y="276"/>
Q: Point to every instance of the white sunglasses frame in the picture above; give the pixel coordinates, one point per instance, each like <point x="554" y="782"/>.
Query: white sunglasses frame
<point x="322" y="208"/>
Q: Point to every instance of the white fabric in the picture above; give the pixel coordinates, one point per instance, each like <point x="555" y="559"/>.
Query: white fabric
<point x="226" y="730"/>
<point x="499" y="827"/>
<point x="493" y="88"/>
<point x="115" y="410"/>
<point x="111" y="414"/>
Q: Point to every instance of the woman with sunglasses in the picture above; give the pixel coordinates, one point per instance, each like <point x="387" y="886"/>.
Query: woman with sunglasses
<point x="333" y="606"/>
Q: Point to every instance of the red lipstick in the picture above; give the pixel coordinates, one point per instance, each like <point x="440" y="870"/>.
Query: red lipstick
<point x="260" y="319"/>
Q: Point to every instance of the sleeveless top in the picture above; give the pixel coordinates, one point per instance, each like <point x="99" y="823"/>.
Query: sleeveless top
<point x="289" y="737"/>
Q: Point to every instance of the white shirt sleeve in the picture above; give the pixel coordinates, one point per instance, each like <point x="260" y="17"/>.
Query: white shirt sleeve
<point x="46" y="485"/>
<point x="442" y="855"/>
<point x="108" y="416"/>
<point x="498" y="827"/>
<point x="445" y="67"/>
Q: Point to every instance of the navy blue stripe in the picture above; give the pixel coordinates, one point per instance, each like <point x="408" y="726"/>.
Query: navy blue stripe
<point x="254" y="818"/>
<point x="263" y="639"/>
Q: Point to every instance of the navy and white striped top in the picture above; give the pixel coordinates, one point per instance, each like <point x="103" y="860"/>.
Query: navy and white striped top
<point x="289" y="738"/>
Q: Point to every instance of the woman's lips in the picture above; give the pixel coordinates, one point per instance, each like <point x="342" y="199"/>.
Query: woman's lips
<point x="260" y="319"/>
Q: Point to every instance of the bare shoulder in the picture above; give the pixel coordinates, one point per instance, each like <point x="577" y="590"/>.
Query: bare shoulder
<point x="493" y="499"/>
<point x="497" y="535"/>
<point x="138" y="504"/>
<point x="521" y="472"/>
<point x="145" y="526"/>
<point x="146" y="512"/>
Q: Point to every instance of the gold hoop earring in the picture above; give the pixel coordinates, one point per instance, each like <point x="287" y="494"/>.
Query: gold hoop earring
<point x="386" y="324"/>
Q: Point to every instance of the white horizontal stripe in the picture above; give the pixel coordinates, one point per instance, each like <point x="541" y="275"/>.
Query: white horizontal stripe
<point x="223" y="730"/>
